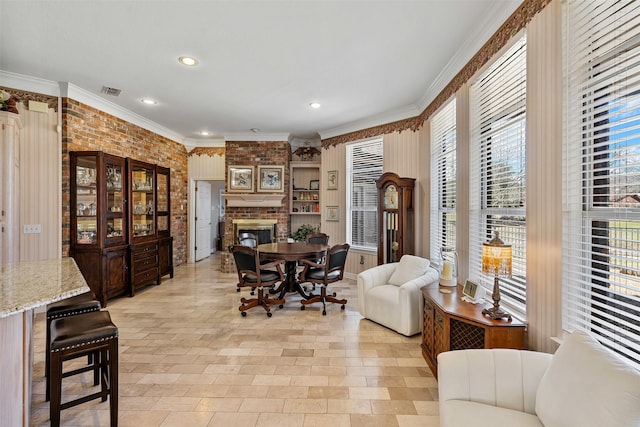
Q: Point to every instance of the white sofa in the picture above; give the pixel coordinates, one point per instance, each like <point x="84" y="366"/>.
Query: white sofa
<point x="583" y="384"/>
<point x="389" y="294"/>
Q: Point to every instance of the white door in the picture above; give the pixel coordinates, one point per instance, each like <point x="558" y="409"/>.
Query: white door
<point x="203" y="220"/>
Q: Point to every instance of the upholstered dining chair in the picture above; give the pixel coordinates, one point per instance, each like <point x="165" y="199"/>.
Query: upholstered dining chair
<point x="332" y="270"/>
<point x="257" y="276"/>
<point x="246" y="238"/>
<point x="321" y="239"/>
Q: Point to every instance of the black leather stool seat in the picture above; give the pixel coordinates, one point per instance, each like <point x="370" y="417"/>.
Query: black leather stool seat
<point x="83" y="303"/>
<point x="84" y="334"/>
<point x="78" y="304"/>
<point x="87" y="328"/>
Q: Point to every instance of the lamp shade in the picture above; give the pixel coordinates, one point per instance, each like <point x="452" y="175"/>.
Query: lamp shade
<point x="496" y="258"/>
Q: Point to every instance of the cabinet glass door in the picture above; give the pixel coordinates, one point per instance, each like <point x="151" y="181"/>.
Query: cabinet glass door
<point x="116" y="209"/>
<point x="143" y="205"/>
<point x="86" y="198"/>
<point x="163" y="201"/>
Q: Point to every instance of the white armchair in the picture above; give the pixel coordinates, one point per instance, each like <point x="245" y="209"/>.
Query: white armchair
<point x="583" y="384"/>
<point x="389" y="294"/>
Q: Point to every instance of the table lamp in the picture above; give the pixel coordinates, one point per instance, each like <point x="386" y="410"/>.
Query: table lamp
<point x="496" y="261"/>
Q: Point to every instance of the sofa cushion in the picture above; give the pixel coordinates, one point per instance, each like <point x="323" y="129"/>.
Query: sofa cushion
<point x="464" y="413"/>
<point x="588" y="385"/>
<point x="410" y="267"/>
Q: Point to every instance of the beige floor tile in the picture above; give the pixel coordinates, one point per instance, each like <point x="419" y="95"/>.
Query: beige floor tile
<point x="188" y="358"/>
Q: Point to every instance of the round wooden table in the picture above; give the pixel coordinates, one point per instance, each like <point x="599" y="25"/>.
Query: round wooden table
<point x="291" y="253"/>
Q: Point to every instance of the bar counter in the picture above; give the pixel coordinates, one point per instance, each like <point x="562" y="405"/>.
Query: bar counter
<point x="25" y="286"/>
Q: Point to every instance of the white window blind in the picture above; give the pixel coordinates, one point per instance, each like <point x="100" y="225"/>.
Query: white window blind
<point x="601" y="241"/>
<point x="364" y="167"/>
<point x="497" y="180"/>
<point x="443" y="178"/>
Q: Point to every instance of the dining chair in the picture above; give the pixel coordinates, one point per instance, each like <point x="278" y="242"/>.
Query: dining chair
<point x="318" y="238"/>
<point x="332" y="270"/>
<point x="246" y="238"/>
<point x="257" y="276"/>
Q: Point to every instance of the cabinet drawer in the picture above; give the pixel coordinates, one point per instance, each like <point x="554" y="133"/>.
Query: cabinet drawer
<point x="141" y="251"/>
<point x="144" y="277"/>
<point x="145" y="263"/>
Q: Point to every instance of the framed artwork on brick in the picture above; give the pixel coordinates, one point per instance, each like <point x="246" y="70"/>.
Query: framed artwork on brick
<point x="240" y="179"/>
<point x="271" y="179"/>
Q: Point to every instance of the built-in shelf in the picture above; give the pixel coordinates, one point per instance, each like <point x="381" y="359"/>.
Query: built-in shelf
<point x="238" y="200"/>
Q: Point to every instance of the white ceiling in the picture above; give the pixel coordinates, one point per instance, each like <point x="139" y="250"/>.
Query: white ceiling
<point x="261" y="62"/>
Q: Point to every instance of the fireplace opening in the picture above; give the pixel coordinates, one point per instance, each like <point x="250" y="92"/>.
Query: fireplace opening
<point x="264" y="229"/>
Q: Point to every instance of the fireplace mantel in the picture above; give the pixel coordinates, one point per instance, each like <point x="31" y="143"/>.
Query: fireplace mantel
<point x="253" y="200"/>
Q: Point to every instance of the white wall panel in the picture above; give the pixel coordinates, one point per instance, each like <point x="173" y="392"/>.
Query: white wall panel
<point x="206" y="167"/>
<point x="40" y="187"/>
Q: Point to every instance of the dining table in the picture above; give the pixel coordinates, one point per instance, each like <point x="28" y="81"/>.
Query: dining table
<point x="291" y="253"/>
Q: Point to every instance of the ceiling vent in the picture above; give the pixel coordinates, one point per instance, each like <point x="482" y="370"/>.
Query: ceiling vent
<point x="111" y="91"/>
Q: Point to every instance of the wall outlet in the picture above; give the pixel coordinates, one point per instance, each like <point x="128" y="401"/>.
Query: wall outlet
<point x="31" y="228"/>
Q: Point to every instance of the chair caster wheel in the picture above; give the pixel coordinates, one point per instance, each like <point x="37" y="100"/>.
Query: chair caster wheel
<point x="237" y="289"/>
<point x="335" y="295"/>
<point x="342" y="307"/>
<point x="269" y="314"/>
<point x="244" y="314"/>
<point x="324" y="312"/>
<point x="281" y="306"/>
<point x="302" y="307"/>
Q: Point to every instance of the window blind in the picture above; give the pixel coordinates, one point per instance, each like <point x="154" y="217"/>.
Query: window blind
<point x="497" y="180"/>
<point x="443" y="178"/>
<point x="601" y="241"/>
<point x="364" y="167"/>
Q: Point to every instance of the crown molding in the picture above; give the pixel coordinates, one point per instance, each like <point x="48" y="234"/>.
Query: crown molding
<point x="191" y="143"/>
<point x="74" y="92"/>
<point x="29" y="84"/>
<point x="373" y="121"/>
<point x="260" y="136"/>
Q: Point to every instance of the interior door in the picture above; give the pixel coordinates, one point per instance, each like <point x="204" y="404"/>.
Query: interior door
<point x="203" y="220"/>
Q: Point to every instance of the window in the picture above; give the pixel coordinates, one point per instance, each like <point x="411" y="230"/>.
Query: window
<point x="497" y="181"/>
<point x="364" y="167"/>
<point x="601" y="242"/>
<point x="443" y="178"/>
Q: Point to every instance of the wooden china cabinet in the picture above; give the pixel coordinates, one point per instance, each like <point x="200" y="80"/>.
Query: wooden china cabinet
<point x="165" y="240"/>
<point x="120" y="222"/>
<point x="143" y="233"/>
<point x="99" y="221"/>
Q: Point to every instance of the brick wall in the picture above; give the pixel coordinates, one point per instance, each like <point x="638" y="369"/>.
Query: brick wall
<point x="85" y="128"/>
<point x="256" y="153"/>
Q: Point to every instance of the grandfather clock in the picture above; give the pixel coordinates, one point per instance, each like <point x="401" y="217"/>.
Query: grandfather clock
<point x="395" y="219"/>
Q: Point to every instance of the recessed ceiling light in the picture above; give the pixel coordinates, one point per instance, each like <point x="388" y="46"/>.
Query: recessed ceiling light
<point x="188" y="61"/>
<point x="255" y="130"/>
<point x="314" y="105"/>
<point x="204" y="133"/>
<point x="149" y="101"/>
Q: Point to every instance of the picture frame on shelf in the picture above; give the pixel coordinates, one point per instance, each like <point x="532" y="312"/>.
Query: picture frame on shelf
<point x="240" y="179"/>
<point x="314" y="184"/>
<point x="332" y="180"/>
<point x="332" y="213"/>
<point x="271" y="179"/>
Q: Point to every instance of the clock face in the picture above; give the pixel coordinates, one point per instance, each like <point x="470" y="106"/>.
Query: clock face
<point x="391" y="197"/>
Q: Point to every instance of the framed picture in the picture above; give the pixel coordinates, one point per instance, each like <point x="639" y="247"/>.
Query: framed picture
<point x="271" y="178"/>
<point x="332" y="180"/>
<point x="332" y="213"/>
<point x="314" y="184"/>
<point x="240" y="179"/>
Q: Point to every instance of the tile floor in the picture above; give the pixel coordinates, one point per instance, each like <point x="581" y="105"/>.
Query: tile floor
<point x="188" y="358"/>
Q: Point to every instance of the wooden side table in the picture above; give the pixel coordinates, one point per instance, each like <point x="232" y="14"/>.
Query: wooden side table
<point x="449" y="323"/>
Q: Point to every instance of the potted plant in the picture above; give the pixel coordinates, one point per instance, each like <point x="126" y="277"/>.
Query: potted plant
<point x="300" y="235"/>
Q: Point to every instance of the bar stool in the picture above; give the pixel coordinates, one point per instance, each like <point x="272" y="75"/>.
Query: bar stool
<point x="81" y="335"/>
<point x="83" y="303"/>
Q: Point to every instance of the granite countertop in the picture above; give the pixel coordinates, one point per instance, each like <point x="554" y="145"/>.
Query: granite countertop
<point x="30" y="284"/>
